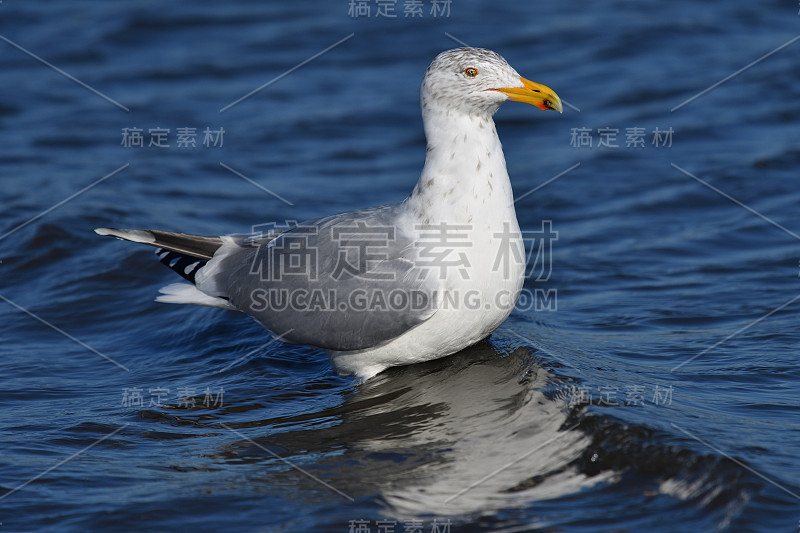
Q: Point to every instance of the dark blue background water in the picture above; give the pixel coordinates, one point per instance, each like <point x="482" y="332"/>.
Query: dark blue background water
<point x="651" y="268"/>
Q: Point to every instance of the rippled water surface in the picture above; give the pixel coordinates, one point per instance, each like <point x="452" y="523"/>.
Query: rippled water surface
<point x="660" y="393"/>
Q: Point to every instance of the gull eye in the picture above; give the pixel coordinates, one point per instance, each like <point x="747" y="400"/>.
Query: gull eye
<point x="471" y="72"/>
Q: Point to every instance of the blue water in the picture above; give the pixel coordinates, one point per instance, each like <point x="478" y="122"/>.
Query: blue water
<point x="572" y="418"/>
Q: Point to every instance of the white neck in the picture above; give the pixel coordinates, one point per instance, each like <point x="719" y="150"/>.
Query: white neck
<point x="464" y="180"/>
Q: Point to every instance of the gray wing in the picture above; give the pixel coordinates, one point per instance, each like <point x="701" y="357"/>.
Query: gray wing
<point x="345" y="282"/>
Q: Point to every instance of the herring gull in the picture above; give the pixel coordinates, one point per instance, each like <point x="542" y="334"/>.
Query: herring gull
<point x="390" y="285"/>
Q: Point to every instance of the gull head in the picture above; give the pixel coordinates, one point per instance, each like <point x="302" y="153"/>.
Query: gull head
<point x="478" y="81"/>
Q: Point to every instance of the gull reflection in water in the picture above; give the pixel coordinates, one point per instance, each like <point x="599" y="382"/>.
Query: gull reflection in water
<point x="493" y="427"/>
<point x="478" y="431"/>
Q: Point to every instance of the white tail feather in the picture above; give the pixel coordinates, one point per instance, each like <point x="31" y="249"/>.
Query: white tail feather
<point x="184" y="293"/>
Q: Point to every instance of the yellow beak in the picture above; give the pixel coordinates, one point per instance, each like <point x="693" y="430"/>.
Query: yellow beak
<point x="533" y="93"/>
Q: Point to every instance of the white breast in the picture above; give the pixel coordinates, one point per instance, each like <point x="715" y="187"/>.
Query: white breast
<point x="465" y="187"/>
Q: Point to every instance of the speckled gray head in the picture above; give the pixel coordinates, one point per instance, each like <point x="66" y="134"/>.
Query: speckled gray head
<point x="477" y="80"/>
